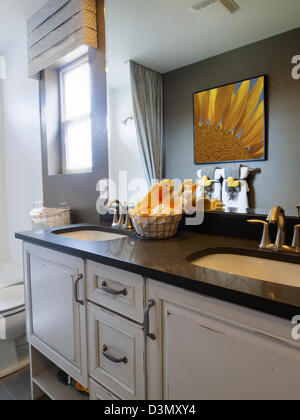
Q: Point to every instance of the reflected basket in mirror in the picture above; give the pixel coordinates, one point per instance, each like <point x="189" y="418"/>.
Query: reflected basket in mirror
<point x="156" y="227"/>
<point x="49" y="218"/>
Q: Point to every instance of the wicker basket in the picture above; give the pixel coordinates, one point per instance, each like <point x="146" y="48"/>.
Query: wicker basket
<point x="51" y="218"/>
<point x="156" y="227"/>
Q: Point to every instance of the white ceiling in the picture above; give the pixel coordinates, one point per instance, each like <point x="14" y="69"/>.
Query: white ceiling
<point x="13" y="16"/>
<point x="166" y="35"/>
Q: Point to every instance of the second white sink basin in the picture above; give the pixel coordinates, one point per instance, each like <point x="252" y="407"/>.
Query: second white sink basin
<point x="253" y="267"/>
<point x="91" y="235"/>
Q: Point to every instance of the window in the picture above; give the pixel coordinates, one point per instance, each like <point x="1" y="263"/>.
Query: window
<point x="75" y="116"/>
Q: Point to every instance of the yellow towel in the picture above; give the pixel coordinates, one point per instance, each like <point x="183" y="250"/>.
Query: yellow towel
<point x="160" y="193"/>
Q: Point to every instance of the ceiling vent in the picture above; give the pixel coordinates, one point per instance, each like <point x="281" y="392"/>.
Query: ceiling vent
<point x="203" y="4"/>
<point x="230" y="5"/>
<point x="214" y="10"/>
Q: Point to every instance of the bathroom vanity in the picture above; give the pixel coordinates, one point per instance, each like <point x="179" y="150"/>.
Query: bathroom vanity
<point x="171" y="331"/>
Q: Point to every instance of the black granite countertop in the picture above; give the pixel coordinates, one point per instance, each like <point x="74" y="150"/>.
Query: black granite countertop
<point x="168" y="261"/>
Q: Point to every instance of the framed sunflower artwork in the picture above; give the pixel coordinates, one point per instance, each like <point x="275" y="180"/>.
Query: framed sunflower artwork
<point x="229" y="123"/>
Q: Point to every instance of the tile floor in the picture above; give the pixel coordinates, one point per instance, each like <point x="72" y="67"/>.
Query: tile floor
<point x="16" y="387"/>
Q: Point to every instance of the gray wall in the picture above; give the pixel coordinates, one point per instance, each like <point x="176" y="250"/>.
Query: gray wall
<point x="80" y="189"/>
<point x="279" y="182"/>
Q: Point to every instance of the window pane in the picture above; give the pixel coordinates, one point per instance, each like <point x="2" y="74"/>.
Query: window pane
<point x="78" y="145"/>
<point x="77" y="91"/>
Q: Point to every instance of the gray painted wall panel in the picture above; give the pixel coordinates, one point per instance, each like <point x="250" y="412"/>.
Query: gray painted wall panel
<point x="279" y="182"/>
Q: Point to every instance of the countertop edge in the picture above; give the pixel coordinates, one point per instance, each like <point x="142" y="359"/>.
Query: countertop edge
<point x="271" y="307"/>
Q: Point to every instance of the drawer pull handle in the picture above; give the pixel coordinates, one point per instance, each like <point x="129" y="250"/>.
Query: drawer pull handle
<point x="79" y="278"/>
<point x="151" y="303"/>
<point x="111" y="291"/>
<point x="113" y="358"/>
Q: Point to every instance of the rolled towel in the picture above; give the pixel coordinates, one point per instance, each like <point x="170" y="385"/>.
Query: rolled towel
<point x="232" y="171"/>
<point x="208" y="171"/>
<point x="239" y="200"/>
<point x="214" y="190"/>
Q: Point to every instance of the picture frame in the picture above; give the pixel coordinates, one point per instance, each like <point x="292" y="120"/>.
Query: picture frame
<point x="217" y="141"/>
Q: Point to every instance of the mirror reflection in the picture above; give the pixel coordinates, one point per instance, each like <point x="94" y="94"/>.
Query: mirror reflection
<point x="182" y="68"/>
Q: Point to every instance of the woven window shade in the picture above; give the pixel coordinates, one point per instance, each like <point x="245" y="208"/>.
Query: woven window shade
<point x="57" y="30"/>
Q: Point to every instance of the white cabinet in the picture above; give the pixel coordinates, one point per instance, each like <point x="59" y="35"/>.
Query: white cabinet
<point x="196" y="347"/>
<point x="207" y="349"/>
<point x="116" y="353"/>
<point x="56" y="313"/>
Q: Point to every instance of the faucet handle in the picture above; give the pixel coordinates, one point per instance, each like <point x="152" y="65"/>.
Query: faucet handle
<point x="257" y="221"/>
<point x="127" y="222"/>
<point x="296" y="240"/>
<point x="266" y="241"/>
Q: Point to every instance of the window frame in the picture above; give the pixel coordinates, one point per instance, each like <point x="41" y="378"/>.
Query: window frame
<point x="64" y="123"/>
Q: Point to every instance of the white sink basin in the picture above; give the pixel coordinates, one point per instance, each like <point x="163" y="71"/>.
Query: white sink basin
<point x="253" y="267"/>
<point x="91" y="235"/>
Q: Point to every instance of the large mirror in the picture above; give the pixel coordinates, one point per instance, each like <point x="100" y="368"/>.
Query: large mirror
<point x="227" y="69"/>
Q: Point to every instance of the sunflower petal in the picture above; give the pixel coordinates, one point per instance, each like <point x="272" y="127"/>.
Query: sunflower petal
<point x="212" y="103"/>
<point x="251" y="105"/>
<point x="204" y="107"/>
<point x="256" y="148"/>
<point x="259" y="154"/>
<point x="223" y="100"/>
<point x="197" y="110"/>
<point x="228" y="111"/>
<point x="258" y="115"/>
<point x="238" y="105"/>
<point x="257" y="132"/>
<point x="254" y="97"/>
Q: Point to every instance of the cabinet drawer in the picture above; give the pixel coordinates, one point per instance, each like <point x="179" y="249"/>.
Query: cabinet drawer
<point x="116" y="353"/>
<point x="117" y="290"/>
<point x="98" y="393"/>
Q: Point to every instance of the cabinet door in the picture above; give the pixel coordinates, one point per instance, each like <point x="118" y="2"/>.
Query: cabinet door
<point x="56" y="321"/>
<point x="116" y="353"/>
<point x="199" y="355"/>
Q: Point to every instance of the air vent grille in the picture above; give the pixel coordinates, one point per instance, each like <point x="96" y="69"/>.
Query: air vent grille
<point x="203" y="4"/>
<point x="229" y="4"/>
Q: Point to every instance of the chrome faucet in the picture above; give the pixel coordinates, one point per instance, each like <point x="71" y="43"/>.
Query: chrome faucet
<point x="123" y="220"/>
<point x="277" y="215"/>
<point x="116" y="204"/>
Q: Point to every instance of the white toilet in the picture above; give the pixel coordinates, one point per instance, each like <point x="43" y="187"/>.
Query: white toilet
<point x="13" y="345"/>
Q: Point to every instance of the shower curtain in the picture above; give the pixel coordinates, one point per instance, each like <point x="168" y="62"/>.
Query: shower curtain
<point x="147" y="98"/>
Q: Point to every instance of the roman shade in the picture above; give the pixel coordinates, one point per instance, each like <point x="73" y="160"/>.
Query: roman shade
<point x="59" y="29"/>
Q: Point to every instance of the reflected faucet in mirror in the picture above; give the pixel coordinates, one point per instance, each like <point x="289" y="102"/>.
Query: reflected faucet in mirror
<point x="121" y="217"/>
